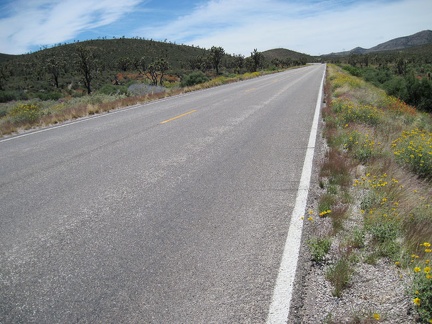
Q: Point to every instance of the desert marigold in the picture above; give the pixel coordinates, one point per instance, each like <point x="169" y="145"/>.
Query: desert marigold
<point x="417" y="301"/>
<point x="427" y="269"/>
<point x="377" y="316"/>
<point x="417" y="269"/>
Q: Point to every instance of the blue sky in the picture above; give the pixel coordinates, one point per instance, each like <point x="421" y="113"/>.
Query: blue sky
<point x="310" y="26"/>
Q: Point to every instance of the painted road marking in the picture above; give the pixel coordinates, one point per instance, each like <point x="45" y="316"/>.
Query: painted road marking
<point x="177" y="117"/>
<point x="282" y="294"/>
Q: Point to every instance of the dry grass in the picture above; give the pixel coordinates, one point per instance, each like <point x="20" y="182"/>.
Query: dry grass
<point x="54" y="112"/>
<point x="393" y="144"/>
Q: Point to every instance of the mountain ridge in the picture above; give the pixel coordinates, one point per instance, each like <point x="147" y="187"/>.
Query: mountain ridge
<point x="400" y="43"/>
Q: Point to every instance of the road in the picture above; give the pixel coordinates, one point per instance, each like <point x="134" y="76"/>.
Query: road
<point x="175" y="211"/>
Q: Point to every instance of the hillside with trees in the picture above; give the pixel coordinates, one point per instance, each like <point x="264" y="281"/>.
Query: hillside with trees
<point x="401" y="66"/>
<point x="53" y="84"/>
<point x="401" y="43"/>
<point x="98" y="65"/>
<point x="284" y="57"/>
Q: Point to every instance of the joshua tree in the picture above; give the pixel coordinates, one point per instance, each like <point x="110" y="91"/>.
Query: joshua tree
<point x="55" y="66"/>
<point x="87" y="64"/>
<point x="257" y="59"/>
<point x="216" y="54"/>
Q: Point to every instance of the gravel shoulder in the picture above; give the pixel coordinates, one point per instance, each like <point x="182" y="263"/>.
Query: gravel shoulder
<point x="378" y="289"/>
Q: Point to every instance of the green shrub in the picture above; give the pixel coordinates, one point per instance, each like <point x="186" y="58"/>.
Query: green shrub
<point x="110" y="89"/>
<point x="194" y="78"/>
<point x="25" y="113"/>
<point x="397" y="87"/>
<point x="357" y="239"/>
<point x="362" y="147"/>
<point x="326" y="203"/>
<point x="383" y="230"/>
<point x="357" y="113"/>
<point x="422" y="284"/>
<point x="414" y="149"/>
<point x="319" y="248"/>
<point x="339" y="274"/>
<point x="6" y="96"/>
<point x="3" y="112"/>
<point x="352" y="70"/>
<point x="45" y="96"/>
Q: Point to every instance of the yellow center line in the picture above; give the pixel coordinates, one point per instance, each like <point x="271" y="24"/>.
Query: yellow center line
<point x="177" y="117"/>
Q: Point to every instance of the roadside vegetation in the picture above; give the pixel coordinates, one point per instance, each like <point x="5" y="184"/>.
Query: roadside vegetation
<point x="405" y="74"/>
<point x="27" y="114"/>
<point x="376" y="183"/>
<point x="69" y="81"/>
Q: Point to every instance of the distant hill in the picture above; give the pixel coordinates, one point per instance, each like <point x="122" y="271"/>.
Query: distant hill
<point x="6" y="57"/>
<point x="419" y="50"/>
<point x="283" y="54"/>
<point x="401" y="43"/>
<point x="110" y="51"/>
<point x="421" y="38"/>
<point x="116" y="62"/>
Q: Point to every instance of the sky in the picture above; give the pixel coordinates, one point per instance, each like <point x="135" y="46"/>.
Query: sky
<point x="313" y="27"/>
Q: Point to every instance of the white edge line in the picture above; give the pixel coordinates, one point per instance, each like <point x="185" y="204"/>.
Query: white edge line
<point x="282" y="294"/>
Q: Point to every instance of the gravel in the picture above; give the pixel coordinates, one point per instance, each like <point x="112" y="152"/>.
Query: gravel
<point x="379" y="288"/>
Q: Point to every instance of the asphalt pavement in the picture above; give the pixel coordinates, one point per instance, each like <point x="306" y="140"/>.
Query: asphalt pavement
<point x="174" y="211"/>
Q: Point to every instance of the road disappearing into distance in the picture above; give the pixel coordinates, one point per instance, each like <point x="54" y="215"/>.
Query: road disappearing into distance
<point x="175" y="211"/>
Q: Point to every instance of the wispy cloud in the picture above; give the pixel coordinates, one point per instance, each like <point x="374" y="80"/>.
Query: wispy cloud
<point x="314" y="27"/>
<point x="308" y="26"/>
<point x="31" y="23"/>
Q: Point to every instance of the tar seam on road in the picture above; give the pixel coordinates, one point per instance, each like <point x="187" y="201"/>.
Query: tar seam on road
<point x="282" y="294"/>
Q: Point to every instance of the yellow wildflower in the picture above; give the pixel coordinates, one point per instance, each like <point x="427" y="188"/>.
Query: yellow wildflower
<point x="417" y="301"/>
<point x="377" y="316"/>
<point x="417" y="269"/>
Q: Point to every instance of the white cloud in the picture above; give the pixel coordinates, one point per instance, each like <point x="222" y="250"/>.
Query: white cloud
<point x="40" y="22"/>
<point x="308" y="26"/>
<point x="317" y="27"/>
